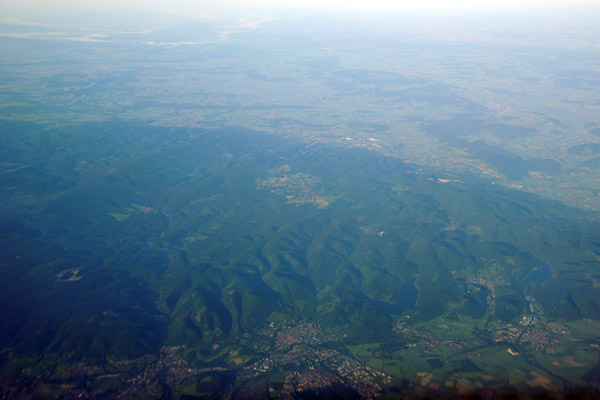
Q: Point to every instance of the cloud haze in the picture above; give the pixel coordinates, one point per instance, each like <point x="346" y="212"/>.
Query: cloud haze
<point x="337" y="4"/>
<point x="77" y="12"/>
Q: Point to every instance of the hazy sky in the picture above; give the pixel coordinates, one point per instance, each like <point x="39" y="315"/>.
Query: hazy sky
<point x="32" y="11"/>
<point x="197" y="5"/>
<point x="436" y="4"/>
